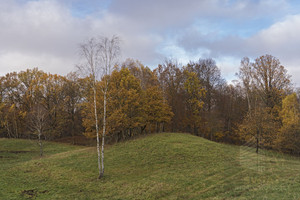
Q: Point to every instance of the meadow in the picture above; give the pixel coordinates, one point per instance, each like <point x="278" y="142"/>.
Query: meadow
<point x="159" y="166"/>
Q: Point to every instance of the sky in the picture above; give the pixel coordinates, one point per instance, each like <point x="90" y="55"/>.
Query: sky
<point x="47" y="33"/>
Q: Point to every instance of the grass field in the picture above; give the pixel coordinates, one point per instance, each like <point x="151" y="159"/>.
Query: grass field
<point x="160" y="166"/>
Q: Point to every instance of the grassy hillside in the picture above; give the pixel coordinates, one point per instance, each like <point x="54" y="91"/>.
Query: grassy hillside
<point x="161" y="166"/>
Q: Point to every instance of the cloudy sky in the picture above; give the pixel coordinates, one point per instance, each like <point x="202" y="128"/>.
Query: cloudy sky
<point x="46" y="33"/>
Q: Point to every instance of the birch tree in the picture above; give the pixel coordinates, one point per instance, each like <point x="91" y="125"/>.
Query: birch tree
<point x="109" y="52"/>
<point x="37" y="122"/>
<point x="246" y="80"/>
<point x="99" y="56"/>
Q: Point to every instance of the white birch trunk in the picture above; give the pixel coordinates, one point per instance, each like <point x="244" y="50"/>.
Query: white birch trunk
<point x="100" y="54"/>
<point x="97" y="129"/>
<point x="103" y="133"/>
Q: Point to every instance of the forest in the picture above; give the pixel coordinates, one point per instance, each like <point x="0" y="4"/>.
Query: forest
<point x="261" y="106"/>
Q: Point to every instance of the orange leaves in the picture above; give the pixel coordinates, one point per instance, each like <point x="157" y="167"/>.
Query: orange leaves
<point x="124" y="100"/>
<point x="129" y="105"/>
<point x="156" y="108"/>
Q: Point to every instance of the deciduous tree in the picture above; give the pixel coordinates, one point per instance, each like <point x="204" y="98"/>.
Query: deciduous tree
<point x="38" y="123"/>
<point x="289" y="136"/>
<point x="194" y="104"/>
<point x="99" y="58"/>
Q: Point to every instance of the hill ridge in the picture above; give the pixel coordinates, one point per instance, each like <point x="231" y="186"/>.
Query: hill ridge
<point x="159" y="166"/>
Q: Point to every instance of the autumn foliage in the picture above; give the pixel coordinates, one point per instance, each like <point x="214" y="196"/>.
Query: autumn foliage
<point x="261" y="106"/>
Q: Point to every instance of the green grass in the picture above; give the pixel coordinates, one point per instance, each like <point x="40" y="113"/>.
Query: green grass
<point x="160" y="166"/>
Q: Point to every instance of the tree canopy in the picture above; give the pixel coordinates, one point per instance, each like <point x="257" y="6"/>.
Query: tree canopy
<point x="261" y="106"/>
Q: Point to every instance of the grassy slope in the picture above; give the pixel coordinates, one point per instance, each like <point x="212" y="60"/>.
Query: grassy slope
<point x="162" y="166"/>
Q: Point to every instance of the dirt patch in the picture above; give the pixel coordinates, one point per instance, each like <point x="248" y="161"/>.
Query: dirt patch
<point x="4" y="157"/>
<point x="77" y="140"/>
<point x="15" y="152"/>
<point x="29" y="193"/>
<point x="32" y="193"/>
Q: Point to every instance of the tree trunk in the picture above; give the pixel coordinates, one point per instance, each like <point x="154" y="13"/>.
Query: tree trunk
<point x="103" y="133"/>
<point x="40" y="144"/>
<point x="130" y="132"/>
<point x="72" y="128"/>
<point x="157" y="127"/>
<point x="257" y="134"/>
<point x="123" y="135"/>
<point x="16" y="128"/>
<point x="248" y="101"/>
<point x="160" y="127"/>
<point x="97" y="128"/>
<point x="8" y="130"/>
<point x="143" y="128"/>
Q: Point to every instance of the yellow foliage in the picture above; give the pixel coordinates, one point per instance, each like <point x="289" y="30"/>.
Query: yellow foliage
<point x="289" y="113"/>
<point x="288" y="139"/>
<point x="219" y="136"/>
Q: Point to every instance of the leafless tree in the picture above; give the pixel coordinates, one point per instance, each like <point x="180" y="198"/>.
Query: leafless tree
<point x="37" y="123"/>
<point x="265" y="77"/>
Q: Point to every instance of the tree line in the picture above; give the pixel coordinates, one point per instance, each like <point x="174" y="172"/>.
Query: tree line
<point x="261" y="106"/>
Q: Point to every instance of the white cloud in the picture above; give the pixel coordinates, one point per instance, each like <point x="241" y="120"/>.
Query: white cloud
<point x="228" y="66"/>
<point x="158" y="14"/>
<point x="281" y="37"/>
<point x="46" y="33"/>
<point x="280" y="40"/>
<point x="46" y="62"/>
<point x="37" y="34"/>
